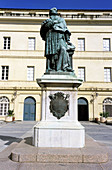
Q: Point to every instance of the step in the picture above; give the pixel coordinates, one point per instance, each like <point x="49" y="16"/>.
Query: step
<point x="91" y="153"/>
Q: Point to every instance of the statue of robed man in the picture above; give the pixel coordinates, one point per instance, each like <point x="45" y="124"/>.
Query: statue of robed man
<point x="57" y="43"/>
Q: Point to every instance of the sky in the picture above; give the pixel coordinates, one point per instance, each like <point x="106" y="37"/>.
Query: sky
<point x="59" y="4"/>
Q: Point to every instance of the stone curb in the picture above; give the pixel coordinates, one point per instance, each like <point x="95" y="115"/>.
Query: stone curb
<point x="6" y="152"/>
<point x="91" y="153"/>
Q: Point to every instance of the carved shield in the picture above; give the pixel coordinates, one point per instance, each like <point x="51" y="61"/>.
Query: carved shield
<point x="59" y="104"/>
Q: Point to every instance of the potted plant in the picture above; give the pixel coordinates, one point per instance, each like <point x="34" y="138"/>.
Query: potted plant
<point x="9" y="116"/>
<point x="96" y="120"/>
<point x="103" y="117"/>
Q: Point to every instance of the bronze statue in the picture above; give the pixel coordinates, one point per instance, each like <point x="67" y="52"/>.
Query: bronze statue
<point x="57" y="43"/>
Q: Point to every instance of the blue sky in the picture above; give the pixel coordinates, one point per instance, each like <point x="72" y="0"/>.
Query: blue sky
<point x="60" y="4"/>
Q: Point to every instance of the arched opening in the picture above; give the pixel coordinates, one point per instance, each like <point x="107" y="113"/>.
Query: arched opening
<point x="29" y="109"/>
<point x="83" y="109"/>
<point x="4" y="105"/>
<point x="107" y="106"/>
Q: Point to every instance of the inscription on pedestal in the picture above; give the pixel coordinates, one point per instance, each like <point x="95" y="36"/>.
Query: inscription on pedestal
<point x="59" y="104"/>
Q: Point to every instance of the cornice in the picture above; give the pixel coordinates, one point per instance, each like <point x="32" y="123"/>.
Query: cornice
<point x="69" y="15"/>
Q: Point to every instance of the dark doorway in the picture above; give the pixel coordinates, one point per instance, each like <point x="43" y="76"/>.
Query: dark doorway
<point x="29" y="109"/>
<point x="83" y="109"/>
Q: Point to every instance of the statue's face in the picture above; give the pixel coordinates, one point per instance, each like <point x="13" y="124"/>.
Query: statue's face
<point x="54" y="17"/>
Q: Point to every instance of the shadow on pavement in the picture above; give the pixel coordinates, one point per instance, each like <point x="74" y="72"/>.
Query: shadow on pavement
<point x="28" y="140"/>
<point x="10" y="139"/>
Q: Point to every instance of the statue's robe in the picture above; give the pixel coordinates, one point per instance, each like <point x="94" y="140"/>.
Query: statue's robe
<point x="55" y="33"/>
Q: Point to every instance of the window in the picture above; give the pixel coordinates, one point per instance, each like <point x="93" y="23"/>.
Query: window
<point x="106" y="44"/>
<point x="7" y="43"/>
<point x="30" y="73"/>
<point x="4" y="105"/>
<point x="107" y="106"/>
<point x="5" y="72"/>
<point x="81" y="44"/>
<point x="31" y="43"/>
<point x="81" y="73"/>
<point x="107" y="74"/>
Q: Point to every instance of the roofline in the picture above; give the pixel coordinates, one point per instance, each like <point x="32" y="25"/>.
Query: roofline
<point x="27" y="9"/>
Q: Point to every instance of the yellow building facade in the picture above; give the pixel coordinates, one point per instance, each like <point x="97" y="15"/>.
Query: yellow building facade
<point x="22" y="61"/>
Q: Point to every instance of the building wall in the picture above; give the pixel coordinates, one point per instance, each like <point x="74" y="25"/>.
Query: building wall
<point x="18" y="58"/>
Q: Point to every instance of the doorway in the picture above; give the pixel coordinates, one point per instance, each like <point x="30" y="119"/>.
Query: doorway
<point x="29" y="109"/>
<point x="83" y="109"/>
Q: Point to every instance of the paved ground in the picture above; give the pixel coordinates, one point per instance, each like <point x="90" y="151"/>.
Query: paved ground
<point x="17" y="131"/>
<point x="100" y="132"/>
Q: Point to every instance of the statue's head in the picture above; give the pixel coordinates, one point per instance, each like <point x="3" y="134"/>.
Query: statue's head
<point x="53" y="11"/>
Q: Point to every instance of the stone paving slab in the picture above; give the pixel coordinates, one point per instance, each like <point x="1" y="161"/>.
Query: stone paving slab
<point x="91" y="153"/>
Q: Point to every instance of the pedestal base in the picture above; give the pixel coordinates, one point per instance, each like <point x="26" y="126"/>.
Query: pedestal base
<point x="59" y="134"/>
<point x="59" y="126"/>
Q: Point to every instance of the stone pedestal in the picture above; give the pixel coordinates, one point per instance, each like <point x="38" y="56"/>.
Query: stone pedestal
<point x="64" y="132"/>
